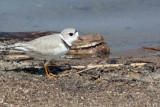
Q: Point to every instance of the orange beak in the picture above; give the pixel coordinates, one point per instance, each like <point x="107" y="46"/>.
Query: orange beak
<point x="78" y="37"/>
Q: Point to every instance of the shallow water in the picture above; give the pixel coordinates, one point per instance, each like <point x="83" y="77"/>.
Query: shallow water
<point x="125" y="24"/>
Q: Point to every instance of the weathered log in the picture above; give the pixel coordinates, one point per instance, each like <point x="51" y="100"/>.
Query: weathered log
<point x="91" y="44"/>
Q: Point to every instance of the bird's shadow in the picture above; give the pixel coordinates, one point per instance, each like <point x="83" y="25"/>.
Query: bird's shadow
<point x="41" y="71"/>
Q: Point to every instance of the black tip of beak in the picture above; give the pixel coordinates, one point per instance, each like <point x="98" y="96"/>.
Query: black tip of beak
<point x="80" y="38"/>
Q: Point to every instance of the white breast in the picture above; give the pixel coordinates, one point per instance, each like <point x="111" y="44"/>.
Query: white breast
<point x="60" y="50"/>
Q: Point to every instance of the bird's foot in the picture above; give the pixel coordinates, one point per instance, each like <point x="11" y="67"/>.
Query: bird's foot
<point x="51" y="75"/>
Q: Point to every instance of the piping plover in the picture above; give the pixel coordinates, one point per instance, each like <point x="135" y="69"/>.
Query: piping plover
<point x="49" y="47"/>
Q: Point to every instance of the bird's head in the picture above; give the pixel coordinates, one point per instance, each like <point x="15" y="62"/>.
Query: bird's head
<point x="70" y="35"/>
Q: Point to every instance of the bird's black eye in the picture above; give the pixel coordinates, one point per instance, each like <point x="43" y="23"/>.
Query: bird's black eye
<point x="70" y="34"/>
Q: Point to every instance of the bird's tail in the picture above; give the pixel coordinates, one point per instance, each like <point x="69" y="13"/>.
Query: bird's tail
<point x="14" y="45"/>
<point x="18" y="46"/>
<point x="5" y="49"/>
<point x="11" y="50"/>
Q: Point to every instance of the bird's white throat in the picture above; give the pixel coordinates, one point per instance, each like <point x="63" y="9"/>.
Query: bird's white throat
<point x="65" y="40"/>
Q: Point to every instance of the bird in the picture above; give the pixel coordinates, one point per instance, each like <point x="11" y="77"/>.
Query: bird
<point x="49" y="47"/>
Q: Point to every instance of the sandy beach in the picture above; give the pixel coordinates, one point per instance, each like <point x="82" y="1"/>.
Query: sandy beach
<point x="23" y="83"/>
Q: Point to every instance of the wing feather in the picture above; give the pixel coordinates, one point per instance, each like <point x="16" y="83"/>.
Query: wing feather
<point x="44" y="45"/>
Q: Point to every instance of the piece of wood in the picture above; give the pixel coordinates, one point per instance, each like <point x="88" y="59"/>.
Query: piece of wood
<point x="107" y="65"/>
<point x="84" y="70"/>
<point x="9" y="52"/>
<point x="144" y="47"/>
<point x="17" y="57"/>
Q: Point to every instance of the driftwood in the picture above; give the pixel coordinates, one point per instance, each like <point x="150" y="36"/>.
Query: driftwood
<point x="17" y="57"/>
<point x="89" y="67"/>
<point x="11" y="52"/>
<point x="107" y="65"/>
<point x="144" y="47"/>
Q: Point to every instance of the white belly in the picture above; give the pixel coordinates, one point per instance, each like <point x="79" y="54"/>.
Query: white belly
<point x="54" y="53"/>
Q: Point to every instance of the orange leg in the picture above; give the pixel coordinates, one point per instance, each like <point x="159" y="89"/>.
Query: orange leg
<point x="48" y="73"/>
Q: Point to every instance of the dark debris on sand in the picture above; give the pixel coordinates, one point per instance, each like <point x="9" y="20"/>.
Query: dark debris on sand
<point x="22" y="84"/>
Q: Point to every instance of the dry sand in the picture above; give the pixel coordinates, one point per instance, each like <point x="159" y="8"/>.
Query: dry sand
<point x="24" y="83"/>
